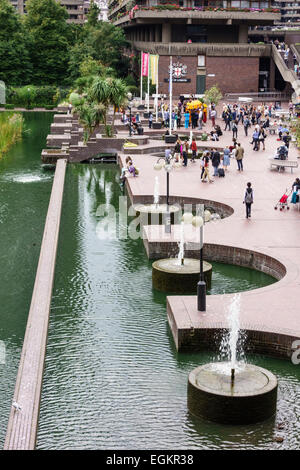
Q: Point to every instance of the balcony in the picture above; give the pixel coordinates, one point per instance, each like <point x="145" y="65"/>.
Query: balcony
<point x="144" y="15"/>
<point x="208" y="49"/>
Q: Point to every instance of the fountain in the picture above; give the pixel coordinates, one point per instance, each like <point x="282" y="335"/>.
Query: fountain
<point x="179" y="275"/>
<point x="232" y="392"/>
<point x="154" y="214"/>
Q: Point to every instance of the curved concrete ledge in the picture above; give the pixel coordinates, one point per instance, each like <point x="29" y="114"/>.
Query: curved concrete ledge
<point x="22" y="425"/>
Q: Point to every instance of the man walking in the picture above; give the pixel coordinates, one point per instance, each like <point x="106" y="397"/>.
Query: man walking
<point x="248" y="200"/>
<point x="239" y="155"/>
<point x="215" y="160"/>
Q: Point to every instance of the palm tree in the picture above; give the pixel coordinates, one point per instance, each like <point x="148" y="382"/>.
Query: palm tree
<point x="100" y="94"/>
<point x="118" y="95"/>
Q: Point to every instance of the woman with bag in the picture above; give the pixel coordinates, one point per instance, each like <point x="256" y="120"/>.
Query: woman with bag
<point x="248" y="200"/>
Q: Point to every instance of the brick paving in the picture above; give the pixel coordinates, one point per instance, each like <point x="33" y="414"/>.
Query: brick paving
<point x="274" y="309"/>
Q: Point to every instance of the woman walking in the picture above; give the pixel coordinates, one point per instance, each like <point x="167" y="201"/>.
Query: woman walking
<point x="248" y="200"/>
<point x="206" y="171"/>
<point x="226" y="158"/>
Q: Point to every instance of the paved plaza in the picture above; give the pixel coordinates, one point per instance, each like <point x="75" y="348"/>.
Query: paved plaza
<point x="273" y="309"/>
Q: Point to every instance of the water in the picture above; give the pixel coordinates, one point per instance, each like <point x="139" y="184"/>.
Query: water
<point x="24" y="196"/>
<point x="156" y="191"/>
<point x="180" y="256"/>
<point x="113" y="378"/>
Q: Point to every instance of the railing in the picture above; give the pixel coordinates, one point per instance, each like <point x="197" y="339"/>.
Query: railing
<point x="259" y="96"/>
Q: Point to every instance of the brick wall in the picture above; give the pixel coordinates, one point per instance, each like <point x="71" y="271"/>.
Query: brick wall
<point x="233" y="74"/>
<point x="178" y="88"/>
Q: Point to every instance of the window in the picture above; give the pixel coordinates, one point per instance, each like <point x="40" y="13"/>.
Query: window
<point x="201" y="60"/>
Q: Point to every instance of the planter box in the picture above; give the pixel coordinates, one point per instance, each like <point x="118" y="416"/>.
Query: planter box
<point x="170" y="139"/>
<point x="146" y="115"/>
<point x="156" y="125"/>
<point x="141" y="106"/>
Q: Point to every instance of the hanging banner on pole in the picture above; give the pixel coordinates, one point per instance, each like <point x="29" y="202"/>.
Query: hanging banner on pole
<point x="145" y="64"/>
<point x="154" y="68"/>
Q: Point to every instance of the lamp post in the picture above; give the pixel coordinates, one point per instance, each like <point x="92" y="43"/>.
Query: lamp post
<point x="129" y="96"/>
<point x="168" y="162"/>
<point x="199" y="221"/>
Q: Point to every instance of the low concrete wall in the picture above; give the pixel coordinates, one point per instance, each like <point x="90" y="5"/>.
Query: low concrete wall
<point x="23" y="424"/>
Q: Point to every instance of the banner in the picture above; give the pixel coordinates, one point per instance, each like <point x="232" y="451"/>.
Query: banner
<point x="154" y="68"/>
<point x="145" y="63"/>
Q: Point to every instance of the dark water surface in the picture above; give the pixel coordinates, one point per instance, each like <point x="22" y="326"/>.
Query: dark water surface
<point x="113" y="378"/>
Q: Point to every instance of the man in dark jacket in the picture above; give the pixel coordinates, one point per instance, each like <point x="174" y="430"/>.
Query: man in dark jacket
<point x="215" y="160"/>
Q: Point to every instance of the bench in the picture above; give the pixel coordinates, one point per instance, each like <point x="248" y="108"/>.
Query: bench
<point x="283" y="164"/>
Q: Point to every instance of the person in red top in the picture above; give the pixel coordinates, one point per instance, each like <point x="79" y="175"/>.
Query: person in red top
<point x="193" y="147"/>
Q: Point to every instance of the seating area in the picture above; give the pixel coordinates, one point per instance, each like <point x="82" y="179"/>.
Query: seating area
<point x="282" y="164"/>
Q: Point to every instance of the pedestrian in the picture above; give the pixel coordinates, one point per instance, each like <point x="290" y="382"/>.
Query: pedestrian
<point x="215" y="160"/>
<point x="194" y="149"/>
<point x="200" y="119"/>
<point x="179" y="119"/>
<point x="177" y="150"/>
<point x="213" y="115"/>
<point x="150" y="120"/>
<point x="185" y="152"/>
<point x="255" y="140"/>
<point x="239" y="155"/>
<point x="261" y="138"/>
<point x="234" y="130"/>
<point x="167" y="153"/>
<point x="248" y="200"/>
<point x="186" y="119"/>
<point x="206" y="171"/>
<point x="246" y="125"/>
<point x="226" y="158"/>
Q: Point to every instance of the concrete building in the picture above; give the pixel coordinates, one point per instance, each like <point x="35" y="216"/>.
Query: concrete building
<point x="77" y="9"/>
<point x="208" y="41"/>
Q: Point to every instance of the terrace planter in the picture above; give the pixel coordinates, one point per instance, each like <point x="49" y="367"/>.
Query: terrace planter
<point x="156" y="125"/>
<point x="141" y="106"/>
<point x="146" y="115"/>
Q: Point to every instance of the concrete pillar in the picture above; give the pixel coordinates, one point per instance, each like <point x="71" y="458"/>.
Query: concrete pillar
<point x="272" y="74"/>
<point x="166" y="32"/>
<point x="157" y="32"/>
<point x="243" y="34"/>
<point x="152" y="34"/>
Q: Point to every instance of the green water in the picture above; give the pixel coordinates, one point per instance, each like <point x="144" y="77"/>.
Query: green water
<point x="113" y="378"/>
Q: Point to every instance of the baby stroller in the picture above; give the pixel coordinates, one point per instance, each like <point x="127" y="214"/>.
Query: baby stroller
<point x="283" y="201"/>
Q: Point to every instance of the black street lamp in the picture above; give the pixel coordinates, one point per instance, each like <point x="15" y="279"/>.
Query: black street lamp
<point x="168" y="162"/>
<point x="199" y="221"/>
<point x="129" y="96"/>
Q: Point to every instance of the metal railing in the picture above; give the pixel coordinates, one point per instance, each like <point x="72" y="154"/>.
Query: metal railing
<point x="259" y="96"/>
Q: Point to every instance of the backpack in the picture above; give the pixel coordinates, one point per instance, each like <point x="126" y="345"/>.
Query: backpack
<point x="248" y="196"/>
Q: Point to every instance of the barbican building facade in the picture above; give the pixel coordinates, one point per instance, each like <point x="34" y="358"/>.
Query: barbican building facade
<point x="208" y="40"/>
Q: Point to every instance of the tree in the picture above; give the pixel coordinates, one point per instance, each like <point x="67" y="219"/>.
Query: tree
<point x="93" y="15"/>
<point x="107" y="92"/>
<point x="46" y="22"/>
<point x="15" y="67"/>
<point x="213" y="95"/>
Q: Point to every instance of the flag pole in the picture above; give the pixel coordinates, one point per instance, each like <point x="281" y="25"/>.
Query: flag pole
<point x="141" y="85"/>
<point x="148" y="86"/>
<point x="170" y="93"/>
<point x="156" y="108"/>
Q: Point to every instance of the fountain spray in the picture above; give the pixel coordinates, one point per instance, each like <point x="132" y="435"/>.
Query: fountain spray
<point x="181" y="245"/>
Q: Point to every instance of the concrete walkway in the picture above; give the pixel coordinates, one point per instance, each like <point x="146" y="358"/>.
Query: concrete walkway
<point x="274" y="311"/>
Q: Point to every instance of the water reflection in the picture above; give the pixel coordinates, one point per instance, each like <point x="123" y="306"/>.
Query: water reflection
<point x="113" y="377"/>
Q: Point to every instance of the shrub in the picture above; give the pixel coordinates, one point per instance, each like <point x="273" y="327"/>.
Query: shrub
<point x="9" y="106"/>
<point x="11" y="126"/>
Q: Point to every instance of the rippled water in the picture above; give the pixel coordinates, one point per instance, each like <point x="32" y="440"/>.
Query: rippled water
<point x="24" y="197"/>
<point x="113" y="379"/>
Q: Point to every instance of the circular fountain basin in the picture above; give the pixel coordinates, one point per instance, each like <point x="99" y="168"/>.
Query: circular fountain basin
<point x="251" y="398"/>
<point x="168" y="275"/>
<point x="154" y="214"/>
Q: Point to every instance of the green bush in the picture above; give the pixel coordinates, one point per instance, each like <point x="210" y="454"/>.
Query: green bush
<point x="9" y="106"/>
<point x="47" y="106"/>
<point x="36" y="96"/>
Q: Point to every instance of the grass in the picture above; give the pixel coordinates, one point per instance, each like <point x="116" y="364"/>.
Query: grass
<point x="11" y="128"/>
